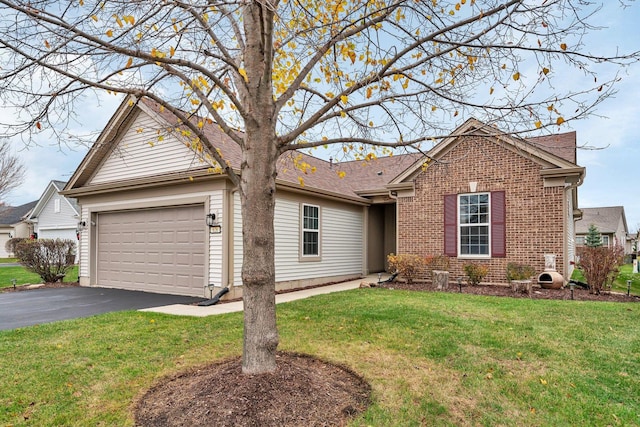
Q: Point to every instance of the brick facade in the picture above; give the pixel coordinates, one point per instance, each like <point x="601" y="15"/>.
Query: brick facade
<point x="534" y="214"/>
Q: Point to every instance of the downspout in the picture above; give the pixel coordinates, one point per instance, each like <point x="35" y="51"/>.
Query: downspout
<point x="567" y="190"/>
<point x="228" y="248"/>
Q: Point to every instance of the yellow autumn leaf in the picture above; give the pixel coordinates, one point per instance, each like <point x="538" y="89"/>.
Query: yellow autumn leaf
<point x="369" y="92"/>
<point x="172" y="51"/>
<point x="491" y="91"/>
<point x="543" y="381"/>
<point x="243" y="73"/>
<point x="559" y="121"/>
<point x="81" y="2"/>
<point x="563" y="46"/>
<point x="538" y="124"/>
<point x="342" y="174"/>
<point x="109" y="33"/>
<point x="545" y="71"/>
<point x="301" y="181"/>
<point x="344" y="99"/>
<point x="516" y="76"/>
<point x="94" y="17"/>
<point x="129" y="62"/>
<point x="46" y="44"/>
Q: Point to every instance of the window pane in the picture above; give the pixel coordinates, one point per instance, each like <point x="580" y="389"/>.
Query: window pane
<point x="474" y="240"/>
<point x="310" y="243"/>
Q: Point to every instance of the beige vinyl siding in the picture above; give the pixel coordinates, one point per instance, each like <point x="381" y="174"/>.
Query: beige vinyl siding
<point x="83" y="243"/>
<point x="570" y="236"/>
<point x="135" y="157"/>
<point x="215" y="241"/>
<point x="237" y="240"/>
<point x="341" y="240"/>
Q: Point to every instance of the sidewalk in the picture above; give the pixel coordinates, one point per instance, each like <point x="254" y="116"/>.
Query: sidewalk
<point x="231" y="307"/>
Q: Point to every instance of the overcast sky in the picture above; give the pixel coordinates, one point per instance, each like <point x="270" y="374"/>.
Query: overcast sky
<point x="612" y="172"/>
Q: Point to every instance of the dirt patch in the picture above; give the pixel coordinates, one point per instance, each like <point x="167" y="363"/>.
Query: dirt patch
<point x="303" y="391"/>
<point x="579" y="294"/>
<point x="48" y="285"/>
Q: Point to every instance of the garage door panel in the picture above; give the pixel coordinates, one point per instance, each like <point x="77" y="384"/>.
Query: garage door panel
<point x="156" y="250"/>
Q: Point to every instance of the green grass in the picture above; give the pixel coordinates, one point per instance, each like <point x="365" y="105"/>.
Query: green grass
<point x="8" y="260"/>
<point x="437" y="359"/>
<point x="23" y="276"/>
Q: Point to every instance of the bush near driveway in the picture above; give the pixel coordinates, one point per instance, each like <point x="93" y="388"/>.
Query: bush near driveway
<point x="49" y="258"/>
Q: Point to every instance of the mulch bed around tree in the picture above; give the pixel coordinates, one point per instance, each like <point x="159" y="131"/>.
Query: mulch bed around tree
<point x="303" y="391"/>
<point x="579" y="294"/>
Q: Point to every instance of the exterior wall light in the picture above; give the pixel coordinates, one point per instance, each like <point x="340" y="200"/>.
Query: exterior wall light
<point x="214" y="226"/>
<point x="82" y="226"/>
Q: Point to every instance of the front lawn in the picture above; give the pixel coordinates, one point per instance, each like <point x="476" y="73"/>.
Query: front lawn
<point x="23" y="276"/>
<point x="431" y="358"/>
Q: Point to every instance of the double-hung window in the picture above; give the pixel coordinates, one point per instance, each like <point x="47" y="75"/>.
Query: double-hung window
<point x="475" y="225"/>
<point x="310" y="231"/>
<point x="474" y="220"/>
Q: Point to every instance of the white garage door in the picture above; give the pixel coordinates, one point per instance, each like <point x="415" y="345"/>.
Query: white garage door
<point x="153" y="250"/>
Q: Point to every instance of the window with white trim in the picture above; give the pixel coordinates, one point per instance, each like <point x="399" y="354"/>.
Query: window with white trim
<point x="310" y="231"/>
<point x="474" y="224"/>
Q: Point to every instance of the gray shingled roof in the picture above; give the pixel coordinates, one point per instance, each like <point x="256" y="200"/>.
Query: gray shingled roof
<point x="13" y="214"/>
<point x="359" y="176"/>
<point x="605" y="218"/>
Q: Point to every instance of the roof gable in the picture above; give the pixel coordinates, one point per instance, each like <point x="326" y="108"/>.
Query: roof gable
<point x="53" y="188"/>
<point x="550" y="162"/>
<point x="123" y="153"/>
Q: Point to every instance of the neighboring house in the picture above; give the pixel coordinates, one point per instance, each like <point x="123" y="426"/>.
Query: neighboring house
<point x="491" y="199"/>
<point x="610" y="222"/>
<point x="12" y="224"/>
<point x="55" y="216"/>
<point x="145" y="202"/>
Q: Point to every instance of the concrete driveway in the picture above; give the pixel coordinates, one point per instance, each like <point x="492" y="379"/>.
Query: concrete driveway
<point x="26" y="308"/>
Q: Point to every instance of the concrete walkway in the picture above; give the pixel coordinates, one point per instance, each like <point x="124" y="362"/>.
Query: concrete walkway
<point x="231" y="307"/>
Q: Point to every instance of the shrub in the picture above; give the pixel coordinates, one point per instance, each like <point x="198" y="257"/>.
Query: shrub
<point x="11" y="244"/>
<point x="437" y="262"/>
<point x="599" y="265"/>
<point x="519" y="271"/>
<point x="48" y="258"/>
<point x="406" y="265"/>
<point x="475" y="273"/>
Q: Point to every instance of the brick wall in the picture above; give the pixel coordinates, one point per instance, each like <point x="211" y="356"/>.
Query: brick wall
<point x="534" y="214"/>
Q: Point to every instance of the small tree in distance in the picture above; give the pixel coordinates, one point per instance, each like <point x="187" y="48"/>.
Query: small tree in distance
<point x="11" y="170"/>
<point x="593" y="238"/>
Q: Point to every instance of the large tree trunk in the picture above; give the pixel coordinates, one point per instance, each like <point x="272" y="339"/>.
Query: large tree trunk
<point x="258" y="268"/>
<point x="257" y="193"/>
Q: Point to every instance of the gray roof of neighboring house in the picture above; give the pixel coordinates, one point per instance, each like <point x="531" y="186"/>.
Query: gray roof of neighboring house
<point x="10" y="215"/>
<point x="606" y="219"/>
